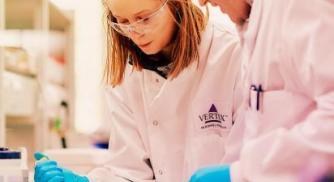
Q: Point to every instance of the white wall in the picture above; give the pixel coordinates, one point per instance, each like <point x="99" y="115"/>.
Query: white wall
<point x="88" y="65"/>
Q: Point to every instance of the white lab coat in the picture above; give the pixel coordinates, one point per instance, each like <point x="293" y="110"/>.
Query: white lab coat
<point x="289" y="45"/>
<point x="158" y="126"/>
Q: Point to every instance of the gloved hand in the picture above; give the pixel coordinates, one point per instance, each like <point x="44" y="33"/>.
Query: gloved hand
<point x="48" y="171"/>
<point x="212" y="174"/>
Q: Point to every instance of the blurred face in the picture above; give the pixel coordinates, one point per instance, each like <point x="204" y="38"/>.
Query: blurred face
<point x="148" y="23"/>
<point x="237" y="10"/>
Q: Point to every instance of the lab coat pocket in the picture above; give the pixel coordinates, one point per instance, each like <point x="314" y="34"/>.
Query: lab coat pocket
<point x="280" y="108"/>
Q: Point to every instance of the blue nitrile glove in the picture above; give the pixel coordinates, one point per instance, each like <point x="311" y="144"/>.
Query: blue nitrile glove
<point x="48" y="171"/>
<point x="212" y="174"/>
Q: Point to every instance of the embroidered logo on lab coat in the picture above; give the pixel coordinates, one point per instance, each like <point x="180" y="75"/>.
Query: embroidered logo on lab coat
<point x="213" y="119"/>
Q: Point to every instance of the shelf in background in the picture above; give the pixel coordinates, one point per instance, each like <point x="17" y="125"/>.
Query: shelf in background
<point x="27" y="92"/>
<point x="22" y="15"/>
<point x="59" y="20"/>
<point x="20" y="72"/>
<point x="19" y="121"/>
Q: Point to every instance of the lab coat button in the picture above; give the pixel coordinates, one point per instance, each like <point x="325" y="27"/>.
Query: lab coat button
<point x="155" y="123"/>
<point x="160" y="172"/>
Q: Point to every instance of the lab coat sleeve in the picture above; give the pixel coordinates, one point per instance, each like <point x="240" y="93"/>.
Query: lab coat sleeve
<point x="289" y="150"/>
<point x="129" y="160"/>
<point x="314" y="60"/>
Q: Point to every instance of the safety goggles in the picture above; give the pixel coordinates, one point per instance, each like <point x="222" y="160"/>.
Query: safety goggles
<point x="142" y="26"/>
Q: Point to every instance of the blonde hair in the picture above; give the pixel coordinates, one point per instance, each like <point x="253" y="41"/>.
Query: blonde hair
<point x="190" y="21"/>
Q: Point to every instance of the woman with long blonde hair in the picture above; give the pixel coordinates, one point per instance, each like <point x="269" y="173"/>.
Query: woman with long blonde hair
<point x="172" y="92"/>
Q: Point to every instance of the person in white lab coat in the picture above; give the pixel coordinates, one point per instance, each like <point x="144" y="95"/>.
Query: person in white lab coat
<point x="173" y="94"/>
<point x="289" y="118"/>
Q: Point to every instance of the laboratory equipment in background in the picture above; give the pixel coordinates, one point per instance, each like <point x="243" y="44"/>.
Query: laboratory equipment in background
<point x="13" y="165"/>
<point x="101" y="136"/>
<point x="18" y="60"/>
<point x="59" y="125"/>
<point x="33" y="86"/>
<point x="20" y="84"/>
<point x="32" y="91"/>
<point x="37" y="48"/>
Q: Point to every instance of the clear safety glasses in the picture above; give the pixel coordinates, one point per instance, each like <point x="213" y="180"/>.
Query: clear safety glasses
<point x="142" y="26"/>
